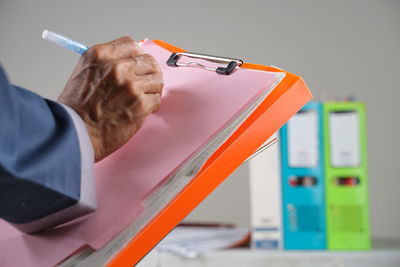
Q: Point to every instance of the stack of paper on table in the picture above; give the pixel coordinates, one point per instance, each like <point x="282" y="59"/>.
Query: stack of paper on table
<point x="193" y="241"/>
<point x="200" y="111"/>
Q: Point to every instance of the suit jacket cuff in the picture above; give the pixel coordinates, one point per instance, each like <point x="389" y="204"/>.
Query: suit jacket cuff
<point x="87" y="201"/>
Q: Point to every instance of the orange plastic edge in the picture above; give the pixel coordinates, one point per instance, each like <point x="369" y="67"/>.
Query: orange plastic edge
<point x="285" y="100"/>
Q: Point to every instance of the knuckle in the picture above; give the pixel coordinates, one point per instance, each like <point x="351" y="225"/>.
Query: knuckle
<point x="157" y="103"/>
<point x="160" y="80"/>
<point x="142" y="104"/>
<point x="134" y="92"/>
<point x="161" y="84"/>
<point x="117" y="67"/>
<point x="116" y="70"/>
<point x="96" y="52"/>
<point x="149" y="58"/>
<point x="158" y="70"/>
<point x="159" y="76"/>
<point x="127" y="39"/>
<point x="134" y="61"/>
<point x="128" y="42"/>
<point x="152" y="62"/>
<point x="132" y="44"/>
<point x="119" y="72"/>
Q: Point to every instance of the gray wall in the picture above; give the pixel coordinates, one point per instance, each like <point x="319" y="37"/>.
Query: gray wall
<point x="340" y="48"/>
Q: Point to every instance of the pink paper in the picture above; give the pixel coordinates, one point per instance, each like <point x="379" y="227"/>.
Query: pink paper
<point x="196" y="104"/>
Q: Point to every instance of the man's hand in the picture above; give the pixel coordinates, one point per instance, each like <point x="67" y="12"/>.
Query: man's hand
<point x="113" y="88"/>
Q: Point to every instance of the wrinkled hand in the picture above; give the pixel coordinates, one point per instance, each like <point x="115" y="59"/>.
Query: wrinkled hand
<point x="114" y="87"/>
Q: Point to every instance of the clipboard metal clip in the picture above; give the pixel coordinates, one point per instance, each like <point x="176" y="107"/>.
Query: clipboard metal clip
<point x="232" y="62"/>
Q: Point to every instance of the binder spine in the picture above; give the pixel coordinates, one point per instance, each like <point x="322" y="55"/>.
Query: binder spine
<point x="346" y="186"/>
<point x="303" y="190"/>
<point x="265" y="199"/>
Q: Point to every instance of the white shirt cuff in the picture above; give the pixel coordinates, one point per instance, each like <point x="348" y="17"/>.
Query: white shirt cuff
<point x="88" y="190"/>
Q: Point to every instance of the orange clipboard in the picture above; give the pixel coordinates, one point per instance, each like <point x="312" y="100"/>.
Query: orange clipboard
<point x="289" y="96"/>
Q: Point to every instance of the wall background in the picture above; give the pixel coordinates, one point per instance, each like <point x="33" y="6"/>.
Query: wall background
<point x="340" y="48"/>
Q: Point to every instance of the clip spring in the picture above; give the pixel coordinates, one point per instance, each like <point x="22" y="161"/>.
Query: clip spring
<point x="232" y="62"/>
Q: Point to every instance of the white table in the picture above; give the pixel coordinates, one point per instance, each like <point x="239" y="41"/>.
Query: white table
<point x="384" y="254"/>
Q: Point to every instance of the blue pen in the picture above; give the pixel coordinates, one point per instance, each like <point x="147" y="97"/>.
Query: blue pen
<point x="65" y="42"/>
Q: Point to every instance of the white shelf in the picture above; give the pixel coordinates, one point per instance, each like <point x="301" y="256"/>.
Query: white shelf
<point x="384" y="254"/>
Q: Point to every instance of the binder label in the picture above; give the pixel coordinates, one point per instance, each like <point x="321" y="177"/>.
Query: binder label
<point x="344" y="139"/>
<point x="303" y="139"/>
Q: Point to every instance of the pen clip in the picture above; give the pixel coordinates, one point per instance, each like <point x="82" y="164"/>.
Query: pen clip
<point x="232" y="62"/>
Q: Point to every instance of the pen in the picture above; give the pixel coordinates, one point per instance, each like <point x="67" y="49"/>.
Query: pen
<point x="64" y="41"/>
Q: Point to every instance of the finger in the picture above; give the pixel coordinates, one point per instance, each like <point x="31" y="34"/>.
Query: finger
<point x="126" y="47"/>
<point x="148" y="84"/>
<point x="121" y="48"/>
<point x="150" y="102"/>
<point x="123" y="70"/>
<point x="146" y="64"/>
